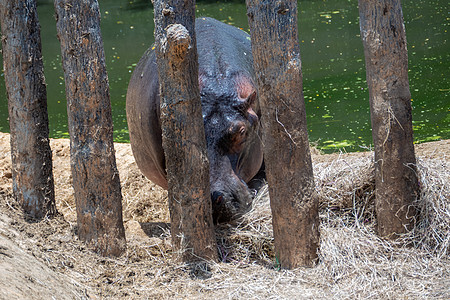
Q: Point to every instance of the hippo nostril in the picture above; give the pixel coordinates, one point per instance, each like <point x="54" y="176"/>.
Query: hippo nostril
<point x="242" y="131"/>
<point x="217" y="198"/>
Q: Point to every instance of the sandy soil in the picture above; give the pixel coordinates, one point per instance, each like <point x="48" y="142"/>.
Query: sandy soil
<point x="45" y="260"/>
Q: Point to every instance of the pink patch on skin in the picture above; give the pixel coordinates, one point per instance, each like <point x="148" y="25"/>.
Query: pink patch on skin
<point x="244" y="87"/>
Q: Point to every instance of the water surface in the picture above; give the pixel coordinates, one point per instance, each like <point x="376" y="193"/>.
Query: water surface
<point x="332" y="55"/>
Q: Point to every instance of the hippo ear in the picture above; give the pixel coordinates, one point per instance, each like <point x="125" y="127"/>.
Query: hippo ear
<point x="253" y="103"/>
<point x="251" y="98"/>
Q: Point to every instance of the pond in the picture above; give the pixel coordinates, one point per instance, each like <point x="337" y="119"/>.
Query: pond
<point x="332" y="55"/>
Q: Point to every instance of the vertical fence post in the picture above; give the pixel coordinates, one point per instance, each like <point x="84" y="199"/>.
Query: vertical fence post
<point x="183" y="133"/>
<point x="294" y="204"/>
<point x="396" y="182"/>
<point x="95" y="177"/>
<point x="31" y="155"/>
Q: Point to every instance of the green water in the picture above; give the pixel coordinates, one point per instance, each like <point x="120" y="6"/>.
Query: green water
<point x="335" y="90"/>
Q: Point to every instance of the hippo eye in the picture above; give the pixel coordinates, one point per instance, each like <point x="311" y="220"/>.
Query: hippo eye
<point x="244" y="105"/>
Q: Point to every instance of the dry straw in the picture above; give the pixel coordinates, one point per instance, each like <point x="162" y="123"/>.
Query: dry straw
<point x="354" y="263"/>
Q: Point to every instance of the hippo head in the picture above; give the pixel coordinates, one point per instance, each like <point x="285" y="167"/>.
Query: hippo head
<point x="233" y="144"/>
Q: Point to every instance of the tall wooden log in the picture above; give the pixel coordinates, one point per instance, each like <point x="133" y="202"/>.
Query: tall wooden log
<point x="383" y="36"/>
<point x="276" y="55"/>
<point x="95" y="177"/>
<point x="27" y="103"/>
<point x="183" y="132"/>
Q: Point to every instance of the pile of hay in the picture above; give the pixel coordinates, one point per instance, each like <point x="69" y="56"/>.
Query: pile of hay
<point x="353" y="261"/>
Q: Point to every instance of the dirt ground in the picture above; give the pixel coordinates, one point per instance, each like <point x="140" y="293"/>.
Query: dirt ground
<point x="45" y="260"/>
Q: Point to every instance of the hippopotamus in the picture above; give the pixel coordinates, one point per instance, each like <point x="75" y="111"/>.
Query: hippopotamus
<point x="230" y="112"/>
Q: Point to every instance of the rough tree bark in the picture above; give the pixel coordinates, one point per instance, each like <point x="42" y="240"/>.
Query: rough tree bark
<point x="383" y="36"/>
<point x="183" y="132"/>
<point x="27" y="103"/>
<point x="95" y="177"/>
<point x="276" y="55"/>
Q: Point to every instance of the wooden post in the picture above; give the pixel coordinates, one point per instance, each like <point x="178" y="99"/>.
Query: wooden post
<point x="383" y="36"/>
<point x="27" y="103"/>
<point x="95" y="177"/>
<point x="276" y="55"/>
<point x="183" y="133"/>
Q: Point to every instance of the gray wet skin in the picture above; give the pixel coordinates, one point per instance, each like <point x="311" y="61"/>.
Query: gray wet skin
<point x="230" y="114"/>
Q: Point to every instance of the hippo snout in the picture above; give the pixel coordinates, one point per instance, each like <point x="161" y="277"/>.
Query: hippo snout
<point x="230" y="205"/>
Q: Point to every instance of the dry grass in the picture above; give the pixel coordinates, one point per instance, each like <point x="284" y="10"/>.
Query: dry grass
<point x="353" y="261"/>
<point x="431" y="234"/>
